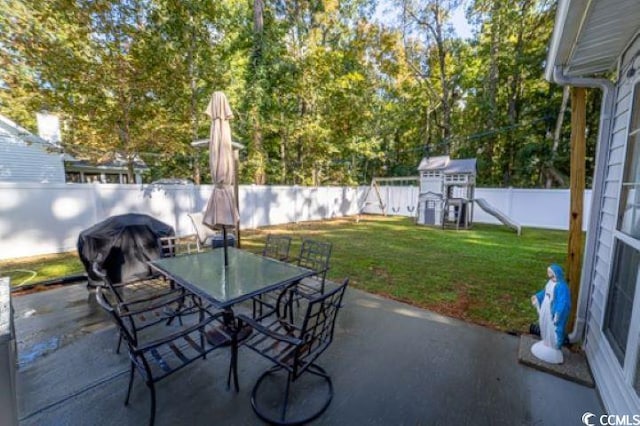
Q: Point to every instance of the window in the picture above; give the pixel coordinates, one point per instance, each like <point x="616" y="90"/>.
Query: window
<point x="636" y="382"/>
<point x="111" y="178"/>
<point x="621" y="295"/>
<point x="73" y="177"/>
<point x="629" y="213"/>
<point x="92" y="178"/>
<point x="620" y="330"/>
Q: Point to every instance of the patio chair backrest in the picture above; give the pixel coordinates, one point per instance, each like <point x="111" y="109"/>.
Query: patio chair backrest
<point x="111" y="307"/>
<point x="173" y="245"/>
<point x="318" y="327"/>
<point x="277" y="247"/>
<point x="107" y="284"/>
<point x="315" y="255"/>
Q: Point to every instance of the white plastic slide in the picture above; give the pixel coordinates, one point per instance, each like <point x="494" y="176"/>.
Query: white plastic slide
<point x="484" y="205"/>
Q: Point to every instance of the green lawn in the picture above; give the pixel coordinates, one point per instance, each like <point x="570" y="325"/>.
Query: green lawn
<point x="41" y="268"/>
<point x="486" y="275"/>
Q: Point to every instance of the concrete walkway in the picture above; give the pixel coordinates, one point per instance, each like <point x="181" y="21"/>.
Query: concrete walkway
<point x="391" y="364"/>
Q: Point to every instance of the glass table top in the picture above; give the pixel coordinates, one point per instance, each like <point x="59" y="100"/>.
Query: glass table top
<point x="246" y="275"/>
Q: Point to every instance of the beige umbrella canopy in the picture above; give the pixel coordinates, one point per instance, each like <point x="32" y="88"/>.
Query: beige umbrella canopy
<point x="221" y="210"/>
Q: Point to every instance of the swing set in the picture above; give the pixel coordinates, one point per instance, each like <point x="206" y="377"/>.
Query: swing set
<point x="378" y="184"/>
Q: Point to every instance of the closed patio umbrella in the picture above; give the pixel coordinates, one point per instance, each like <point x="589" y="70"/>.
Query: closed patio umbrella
<point x="221" y="211"/>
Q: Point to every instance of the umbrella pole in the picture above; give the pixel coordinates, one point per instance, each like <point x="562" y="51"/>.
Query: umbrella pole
<point x="224" y="244"/>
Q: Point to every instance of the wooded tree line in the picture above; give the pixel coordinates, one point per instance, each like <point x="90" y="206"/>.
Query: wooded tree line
<point x="321" y="91"/>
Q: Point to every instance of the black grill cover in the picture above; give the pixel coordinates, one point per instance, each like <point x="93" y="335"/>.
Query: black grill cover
<point x="125" y="243"/>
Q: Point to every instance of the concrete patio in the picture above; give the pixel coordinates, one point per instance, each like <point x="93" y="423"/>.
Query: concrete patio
<point x="390" y="363"/>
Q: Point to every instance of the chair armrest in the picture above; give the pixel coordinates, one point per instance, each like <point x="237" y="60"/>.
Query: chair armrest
<point x="262" y="329"/>
<point x="171" y="337"/>
<point x="125" y="310"/>
<point x="147" y="298"/>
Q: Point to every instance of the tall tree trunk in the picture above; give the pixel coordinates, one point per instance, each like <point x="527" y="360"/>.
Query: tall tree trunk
<point x="193" y="112"/>
<point x="513" y="108"/>
<point x="493" y="77"/>
<point x="550" y="169"/>
<point x="257" y="157"/>
<point x="438" y="33"/>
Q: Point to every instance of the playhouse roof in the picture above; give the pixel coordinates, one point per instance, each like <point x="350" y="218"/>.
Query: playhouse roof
<point x="446" y="165"/>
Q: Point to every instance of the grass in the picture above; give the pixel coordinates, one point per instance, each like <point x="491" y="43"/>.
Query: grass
<point x="35" y="269"/>
<point x="485" y="275"/>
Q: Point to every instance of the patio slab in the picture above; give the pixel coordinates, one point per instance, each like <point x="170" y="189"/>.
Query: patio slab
<point x="391" y="363"/>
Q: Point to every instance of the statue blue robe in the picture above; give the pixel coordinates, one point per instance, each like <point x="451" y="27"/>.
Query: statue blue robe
<point x="561" y="304"/>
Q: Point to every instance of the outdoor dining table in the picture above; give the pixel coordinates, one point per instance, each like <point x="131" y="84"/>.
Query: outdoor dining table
<point x="246" y="276"/>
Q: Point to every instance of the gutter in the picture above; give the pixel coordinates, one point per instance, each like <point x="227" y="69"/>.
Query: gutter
<point x="602" y="150"/>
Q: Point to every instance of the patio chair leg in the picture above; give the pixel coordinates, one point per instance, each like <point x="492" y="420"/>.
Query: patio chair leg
<point x="257" y="306"/>
<point x="131" y="377"/>
<point x="178" y="310"/>
<point x="202" y="338"/>
<point x="152" y="416"/>
<point x="313" y="369"/>
<point x="202" y="343"/>
<point x="180" y="307"/>
<point x="286" y="398"/>
<point x="233" y="367"/>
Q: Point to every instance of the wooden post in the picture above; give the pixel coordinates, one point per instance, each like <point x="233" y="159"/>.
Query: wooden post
<point x="576" y="185"/>
<point x="236" y="191"/>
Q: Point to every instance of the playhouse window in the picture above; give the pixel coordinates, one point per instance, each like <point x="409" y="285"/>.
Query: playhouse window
<point x="431" y="174"/>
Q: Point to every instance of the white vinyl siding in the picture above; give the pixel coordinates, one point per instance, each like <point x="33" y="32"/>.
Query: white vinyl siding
<point x="614" y="380"/>
<point x="22" y="162"/>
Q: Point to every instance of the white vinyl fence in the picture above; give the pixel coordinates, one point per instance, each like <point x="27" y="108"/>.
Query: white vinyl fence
<point x="537" y="208"/>
<point x="47" y="218"/>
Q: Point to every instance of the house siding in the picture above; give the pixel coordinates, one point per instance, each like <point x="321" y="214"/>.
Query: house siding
<point x="616" y="390"/>
<point x="22" y="162"/>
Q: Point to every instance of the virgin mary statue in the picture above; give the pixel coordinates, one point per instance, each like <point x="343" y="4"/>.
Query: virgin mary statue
<point x="553" y="304"/>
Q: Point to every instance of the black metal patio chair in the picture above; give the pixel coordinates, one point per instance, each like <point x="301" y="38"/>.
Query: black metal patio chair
<point x="172" y="246"/>
<point x="275" y="247"/>
<point x="294" y="348"/>
<point x="151" y="301"/>
<point x="157" y="352"/>
<point x="314" y="255"/>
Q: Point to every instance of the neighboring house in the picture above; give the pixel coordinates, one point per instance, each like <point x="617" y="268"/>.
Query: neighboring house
<point x="115" y="171"/>
<point x="592" y="39"/>
<point x="25" y="157"/>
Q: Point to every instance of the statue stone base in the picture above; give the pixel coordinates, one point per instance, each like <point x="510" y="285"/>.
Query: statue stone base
<point x="547" y="353"/>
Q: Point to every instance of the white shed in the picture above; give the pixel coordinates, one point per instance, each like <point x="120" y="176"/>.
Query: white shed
<point x="592" y="39"/>
<point x="25" y="157"/>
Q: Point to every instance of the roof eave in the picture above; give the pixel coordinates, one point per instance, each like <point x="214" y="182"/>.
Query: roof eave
<point x="570" y="15"/>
